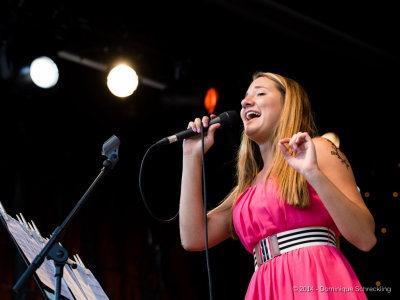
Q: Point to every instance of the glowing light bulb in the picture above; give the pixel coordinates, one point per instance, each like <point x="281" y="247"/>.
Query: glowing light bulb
<point x="44" y="72"/>
<point x="122" y="81"/>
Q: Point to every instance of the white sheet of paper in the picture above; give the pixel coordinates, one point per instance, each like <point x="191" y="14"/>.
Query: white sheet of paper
<point x="31" y="248"/>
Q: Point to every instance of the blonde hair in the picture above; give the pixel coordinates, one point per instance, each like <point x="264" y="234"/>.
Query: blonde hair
<point x="296" y="116"/>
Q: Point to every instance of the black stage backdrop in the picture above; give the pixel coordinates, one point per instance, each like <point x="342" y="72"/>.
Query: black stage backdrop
<point x="344" y="55"/>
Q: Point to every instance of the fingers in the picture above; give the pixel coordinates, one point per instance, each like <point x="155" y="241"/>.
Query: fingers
<point x="296" y="141"/>
<point x="284" y="148"/>
<point x="205" y="121"/>
<point x="196" y="124"/>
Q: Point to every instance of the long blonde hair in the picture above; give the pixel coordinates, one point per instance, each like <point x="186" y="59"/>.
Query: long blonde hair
<point x="296" y="116"/>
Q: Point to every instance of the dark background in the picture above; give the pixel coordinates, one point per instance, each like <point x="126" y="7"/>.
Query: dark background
<point x="345" y="54"/>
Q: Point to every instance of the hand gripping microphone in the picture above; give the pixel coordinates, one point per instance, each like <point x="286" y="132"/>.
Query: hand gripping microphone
<point x="226" y="119"/>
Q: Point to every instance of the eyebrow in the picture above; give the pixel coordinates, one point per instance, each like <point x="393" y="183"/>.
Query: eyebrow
<point x="258" y="87"/>
<point x="261" y="87"/>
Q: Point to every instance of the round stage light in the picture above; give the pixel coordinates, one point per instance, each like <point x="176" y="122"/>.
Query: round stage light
<point x="44" y="72"/>
<point x="122" y="81"/>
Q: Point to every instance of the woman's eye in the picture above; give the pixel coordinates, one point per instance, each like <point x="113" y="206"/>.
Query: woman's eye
<point x="261" y="94"/>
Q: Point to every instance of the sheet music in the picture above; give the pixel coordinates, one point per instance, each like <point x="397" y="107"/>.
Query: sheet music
<point x="77" y="283"/>
<point x="68" y="276"/>
<point x="73" y="284"/>
<point x="89" y="284"/>
<point x="31" y="248"/>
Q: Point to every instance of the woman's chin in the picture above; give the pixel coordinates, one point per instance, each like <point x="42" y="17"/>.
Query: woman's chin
<point x="248" y="131"/>
<point x="255" y="135"/>
<point x="252" y="134"/>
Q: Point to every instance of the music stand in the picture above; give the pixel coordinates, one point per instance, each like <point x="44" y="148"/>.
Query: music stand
<point x="53" y="249"/>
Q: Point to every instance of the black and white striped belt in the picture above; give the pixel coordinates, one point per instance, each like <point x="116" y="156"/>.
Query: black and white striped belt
<point x="286" y="241"/>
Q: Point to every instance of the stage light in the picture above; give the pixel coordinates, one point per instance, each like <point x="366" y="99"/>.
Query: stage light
<point x="333" y="137"/>
<point x="44" y="72"/>
<point x="210" y="100"/>
<point x="122" y="81"/>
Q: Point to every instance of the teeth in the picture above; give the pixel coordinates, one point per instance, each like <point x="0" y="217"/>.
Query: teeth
<point x="252" y="114"/>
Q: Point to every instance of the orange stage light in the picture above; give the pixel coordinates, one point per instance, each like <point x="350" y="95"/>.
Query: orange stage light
<point x="210" y="100"/>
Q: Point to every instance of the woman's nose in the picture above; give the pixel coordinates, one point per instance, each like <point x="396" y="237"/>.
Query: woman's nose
<point x="247" y="101"/>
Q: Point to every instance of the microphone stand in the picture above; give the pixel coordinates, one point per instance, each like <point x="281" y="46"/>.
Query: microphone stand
<point x="53" y="250"/>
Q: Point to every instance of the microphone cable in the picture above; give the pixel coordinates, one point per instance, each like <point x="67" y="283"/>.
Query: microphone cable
<point x="205" y="211"/>
<point x="142" y="194"/>
<point x="174" y="217"/>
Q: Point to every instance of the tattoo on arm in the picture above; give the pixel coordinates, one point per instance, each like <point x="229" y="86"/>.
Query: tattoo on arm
<point x="336" y="152"/>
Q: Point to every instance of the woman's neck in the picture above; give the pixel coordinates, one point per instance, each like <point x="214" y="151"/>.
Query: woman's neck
<point x="266" y="151"/>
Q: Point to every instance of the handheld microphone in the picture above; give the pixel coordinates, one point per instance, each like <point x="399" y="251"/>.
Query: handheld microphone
<point x="226" y="119"/>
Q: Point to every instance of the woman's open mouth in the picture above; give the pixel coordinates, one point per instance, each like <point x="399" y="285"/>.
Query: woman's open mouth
<point x="252" y="115"/>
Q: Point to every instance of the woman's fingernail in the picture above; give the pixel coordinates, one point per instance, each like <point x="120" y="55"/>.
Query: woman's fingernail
<point x="205" y="124"/>
<point x="198" y="130"/>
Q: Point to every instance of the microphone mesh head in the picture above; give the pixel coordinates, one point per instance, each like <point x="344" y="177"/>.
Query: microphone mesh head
<point x="229" y="118"/>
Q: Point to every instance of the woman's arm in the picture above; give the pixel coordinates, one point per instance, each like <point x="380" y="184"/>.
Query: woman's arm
<point x="327" y="170"/>
<point x="191" y="209"/>
<point x="335" y="184"/>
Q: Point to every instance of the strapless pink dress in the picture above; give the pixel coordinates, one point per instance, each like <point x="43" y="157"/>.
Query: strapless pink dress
<point x="313" y="272"/>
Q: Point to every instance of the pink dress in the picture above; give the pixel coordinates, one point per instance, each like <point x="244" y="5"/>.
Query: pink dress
<point x="313" y="272"/>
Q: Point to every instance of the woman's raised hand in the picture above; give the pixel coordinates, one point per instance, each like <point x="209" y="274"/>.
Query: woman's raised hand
<point x="302" y="157"/>
<point x="192" y="146"/>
